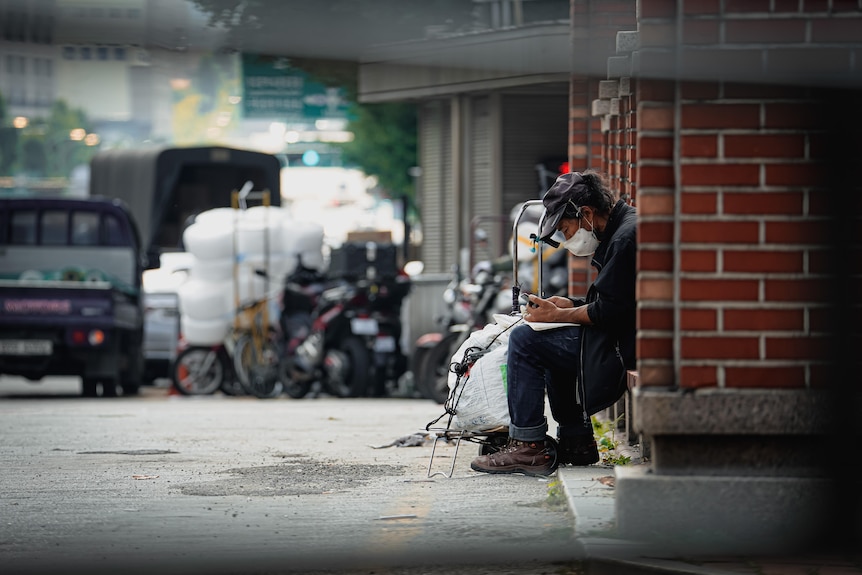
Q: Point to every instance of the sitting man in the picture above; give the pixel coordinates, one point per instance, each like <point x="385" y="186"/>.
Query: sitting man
<point x="582" y="367"/>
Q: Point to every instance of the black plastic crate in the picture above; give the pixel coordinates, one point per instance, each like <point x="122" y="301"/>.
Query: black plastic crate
<point x="355" y="260"/>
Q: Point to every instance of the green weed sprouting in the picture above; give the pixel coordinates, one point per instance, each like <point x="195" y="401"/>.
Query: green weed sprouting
<point x="605" y="432"/>
<point x="556" y="495"/>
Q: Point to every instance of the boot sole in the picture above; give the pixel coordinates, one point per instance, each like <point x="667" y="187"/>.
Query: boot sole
<point x="512" y="470"/>
<point x="580" y="463"/>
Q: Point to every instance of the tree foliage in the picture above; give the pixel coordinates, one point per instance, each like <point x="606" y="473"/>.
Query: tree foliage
<point x="8" y="142"/>
<point x="385" y="134"/>
<point x="385" y="145"/>
<point x="325" y="38"/>
<point x="46" y="148"/>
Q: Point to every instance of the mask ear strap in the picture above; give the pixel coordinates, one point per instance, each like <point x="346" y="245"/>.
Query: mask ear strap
<point x="577" y="209"/>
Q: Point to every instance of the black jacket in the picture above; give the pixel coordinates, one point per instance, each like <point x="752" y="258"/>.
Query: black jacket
<point x="608" y="345"/>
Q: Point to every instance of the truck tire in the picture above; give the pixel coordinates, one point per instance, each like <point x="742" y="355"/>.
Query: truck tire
<point x="131" y="377"/>
<point x="110" y="387"/>
<point x="131" y="389"/>
<point x="90" y="387"/>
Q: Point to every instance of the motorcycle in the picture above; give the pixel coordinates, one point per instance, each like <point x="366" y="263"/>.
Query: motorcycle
<point x="378" y="319"/>
<point x="320" y="345"/>
<point x="343" y="328"/>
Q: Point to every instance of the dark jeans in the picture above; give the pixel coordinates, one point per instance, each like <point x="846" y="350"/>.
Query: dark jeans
<point x="539" y="361"/>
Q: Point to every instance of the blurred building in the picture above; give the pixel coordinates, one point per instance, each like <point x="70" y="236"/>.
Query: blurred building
<point x="493" y="102"/>
<point x="117" y="60"/>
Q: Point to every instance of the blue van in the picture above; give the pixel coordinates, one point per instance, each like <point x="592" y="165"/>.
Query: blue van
<point x="70" y="292"/>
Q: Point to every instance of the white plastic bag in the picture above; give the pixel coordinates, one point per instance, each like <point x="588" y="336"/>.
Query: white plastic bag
<point x="479" y="398"/>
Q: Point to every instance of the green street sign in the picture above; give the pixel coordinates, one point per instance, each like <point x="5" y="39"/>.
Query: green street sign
<point x="273" y="89"/>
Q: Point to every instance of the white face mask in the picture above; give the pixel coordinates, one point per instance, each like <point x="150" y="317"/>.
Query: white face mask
<point x="583" y="243"/>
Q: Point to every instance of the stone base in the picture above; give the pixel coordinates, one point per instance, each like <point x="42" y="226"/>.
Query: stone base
<point x="737" y="470"/>
<point x="702" y="515"/>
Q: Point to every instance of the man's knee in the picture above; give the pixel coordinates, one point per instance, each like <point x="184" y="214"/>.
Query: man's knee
<point x="520" y="337"/>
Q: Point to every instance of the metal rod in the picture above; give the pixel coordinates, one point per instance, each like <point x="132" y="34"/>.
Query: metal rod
<point x="516" y="286"/>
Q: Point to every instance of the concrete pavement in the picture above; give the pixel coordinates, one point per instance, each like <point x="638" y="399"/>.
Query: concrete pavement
<point x="168" y="484"/>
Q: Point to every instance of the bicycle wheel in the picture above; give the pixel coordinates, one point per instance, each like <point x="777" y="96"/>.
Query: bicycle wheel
<point x="294" y="386"/>
<point x="198" y="371"/>
<point x="231" y="385"/>
<point x="257" y="367"/>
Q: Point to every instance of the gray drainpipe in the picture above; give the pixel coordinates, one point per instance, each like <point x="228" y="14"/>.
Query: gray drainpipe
<point x="677" y="194"/>
<point x="457" y="175"/>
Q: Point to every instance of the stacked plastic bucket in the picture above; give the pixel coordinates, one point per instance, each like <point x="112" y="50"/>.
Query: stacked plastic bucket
<point x="239" y="257"/>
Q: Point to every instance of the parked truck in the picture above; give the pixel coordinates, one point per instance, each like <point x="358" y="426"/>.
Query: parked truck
<point x="70" y="292"/>
<point x="165" y="187"/>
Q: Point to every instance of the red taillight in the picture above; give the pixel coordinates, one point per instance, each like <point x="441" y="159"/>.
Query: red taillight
<point x="93" y="337"/>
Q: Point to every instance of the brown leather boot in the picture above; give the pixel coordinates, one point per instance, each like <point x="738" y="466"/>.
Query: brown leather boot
<point x="527" y="457"/>
<point x="579" y="450"/>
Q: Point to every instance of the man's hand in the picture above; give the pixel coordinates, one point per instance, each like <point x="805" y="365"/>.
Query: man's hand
<point x="555" y="309"/>
<point x="560" y="301"/>
<point x="541" y="310"/>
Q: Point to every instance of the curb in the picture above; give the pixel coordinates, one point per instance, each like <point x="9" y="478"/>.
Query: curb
<point x="592" y="503"/>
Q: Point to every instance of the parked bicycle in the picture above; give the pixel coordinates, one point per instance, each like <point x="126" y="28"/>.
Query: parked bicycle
<point x="257" y="349"/>
<point x="202" y="370"/>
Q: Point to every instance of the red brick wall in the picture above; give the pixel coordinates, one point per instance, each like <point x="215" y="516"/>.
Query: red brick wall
<point x="734" y="283"/>
<point x="585" y="151"/>
<point x="594" y="27"/>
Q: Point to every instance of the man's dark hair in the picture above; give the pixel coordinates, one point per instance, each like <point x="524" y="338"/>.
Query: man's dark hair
<point x="595" y="193"/>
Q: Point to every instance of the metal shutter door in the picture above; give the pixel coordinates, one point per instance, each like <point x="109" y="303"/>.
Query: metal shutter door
<point x="438" y="210"/>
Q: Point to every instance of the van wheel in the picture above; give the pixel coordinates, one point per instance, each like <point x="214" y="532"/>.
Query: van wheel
<point x="110" y="388"/>
<point x="131" y="389"/>
<point x="90" y="387"/>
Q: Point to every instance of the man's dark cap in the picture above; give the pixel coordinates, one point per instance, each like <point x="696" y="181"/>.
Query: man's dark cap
<point x="568" y="188"/>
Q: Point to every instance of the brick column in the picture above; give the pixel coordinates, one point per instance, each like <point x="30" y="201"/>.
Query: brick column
<point x="595" y="24"/>
<point x="735" y="269"/>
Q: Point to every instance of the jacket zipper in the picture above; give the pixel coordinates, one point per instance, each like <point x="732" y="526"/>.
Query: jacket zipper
<point x="580" y="389"/>
<point x="620" y="359"/>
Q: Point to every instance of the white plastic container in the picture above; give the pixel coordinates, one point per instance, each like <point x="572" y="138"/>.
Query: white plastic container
<point x="272" y="214"/>
<point x="209" y="241"/>
<point x="250" y="286"/>
<point x="256" y="236"/>
<point x="305" y="239"/>
<point x="205" y="300"/>
<point x="217" y="216"/>
<point x="215" y="270"/>
<point x="277" y="266"/>
<point x="204" y="332"/>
